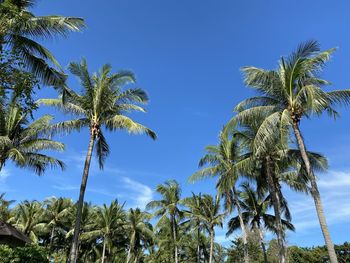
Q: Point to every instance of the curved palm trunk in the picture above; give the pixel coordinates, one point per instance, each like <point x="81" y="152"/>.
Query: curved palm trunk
<point x="277" y="210"/>
<point x="211" y="252"/>
<point x="104" y="250"/>
<point x="242" y="225"/>
<point x="74" y="250"/>
<point x="315" y="194"/>
<point x="129" y="255"/>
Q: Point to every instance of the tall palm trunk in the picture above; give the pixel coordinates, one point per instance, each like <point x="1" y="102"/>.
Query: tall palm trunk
<point x="315" y="194"/>
<point x="104" y="250"/>
<point x="242" y="225"/>
<point x="74" y="250"/>
<point x="277" y="210"/>
<point x="175" y="239"/>
<point x="211" y="252"/>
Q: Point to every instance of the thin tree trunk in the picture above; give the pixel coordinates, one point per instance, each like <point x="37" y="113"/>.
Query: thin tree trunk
<point x="74" y="250"/>
<point x="103" y="250"/>
<point x="315" y="194"/>
<point x="263" y="247"/>
<point x="198" y="243"/>
<point x="277" y="209"/>
<point x="211" y="252"/>
<point x="129" y="255"/>
<point x="51" y="237"/>
<point x="175" y="239"/>
<point x="242" y="225"/>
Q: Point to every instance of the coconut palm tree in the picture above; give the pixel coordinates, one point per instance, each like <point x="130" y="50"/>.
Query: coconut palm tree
<point x="168" y="206"/>
<point x="220" y="161"/>
<point x="28" y="218"/>
<point x="138" y="230"/>
<point x="107" y="222"/>
<point x="22" y="142"/>
<point x="255" y="213"/>
<point x="211" y="217"/>
<point x="102" y="104"/>
<point x="288" y="94"/>
<point x="5" y="208"/>
<point x="194" y="205"/>
<point x="19" y="28"/>
<point x="56" y="216"/>
<point x="273" y="166"/>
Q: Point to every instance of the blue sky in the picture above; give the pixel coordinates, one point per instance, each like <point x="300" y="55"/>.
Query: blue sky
<point x="187" y="55"/>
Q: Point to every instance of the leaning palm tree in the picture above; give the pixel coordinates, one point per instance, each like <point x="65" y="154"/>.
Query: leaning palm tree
<point x="19" y="28"/>
<point x="288" y="94"/>
<point x="138" y="230"/>
<point x="221" y="161"/>
<point x="102" y="104"/>
<point x="22" y="142"/>
<point x="255" y="208"/>
<point x="168" y="206"/>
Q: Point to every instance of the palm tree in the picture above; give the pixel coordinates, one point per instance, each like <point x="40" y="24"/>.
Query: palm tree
<point x="288" y="94"/>
<point x="168" y="206"/>
<point x="5" y="208"/>
<point x="18" y="29"/>
<point x="211" y="217"/>
<point x="194" y="204"/>
<point x="269" y="167"/>
<point x="28" y="218"/>
<point x="138" y="230"/>
<point x="57" y="212"/>
<point x="255" y="213"/>
<point x="108" y="220"/>
<point x="22" y="142"/>
<point x="103" y="103"/>
<point x="221" y="161"/>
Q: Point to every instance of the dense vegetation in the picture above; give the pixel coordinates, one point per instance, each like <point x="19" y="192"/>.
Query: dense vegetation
<point x="259" y="150"/>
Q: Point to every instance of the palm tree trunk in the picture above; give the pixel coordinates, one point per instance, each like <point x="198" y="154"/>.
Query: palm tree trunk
<point x="277" y="210"/>
<point x="198" y="243"/>
<point x="129" y="255"/>
<point x="175" y="239"/>
<point x="51" y="237"/>
<point x="103" y="250"/>
<point x="211" y="252"/>
<point x="263" y="247"/>
<point x="74" y="250"/>
<point x="242" y="225"/>
<point x="315" y="194"/>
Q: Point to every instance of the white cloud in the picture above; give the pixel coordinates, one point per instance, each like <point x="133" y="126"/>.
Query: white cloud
<point x="4" y="174"/>
<point x="140" y="193"/>
<point x="334" y="189"/>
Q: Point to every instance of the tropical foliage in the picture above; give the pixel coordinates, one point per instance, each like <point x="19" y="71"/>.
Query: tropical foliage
<point x="260" y="152"/>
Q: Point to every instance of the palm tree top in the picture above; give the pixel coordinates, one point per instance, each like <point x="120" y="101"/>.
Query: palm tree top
<point x="102" y="103"/>
<point x="19" y="28"/>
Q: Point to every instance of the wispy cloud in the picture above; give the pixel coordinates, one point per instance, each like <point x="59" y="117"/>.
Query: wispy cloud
<point x="139" y="193"/>
<point x="4" y="174"/>
<point x="334" y="189"/>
